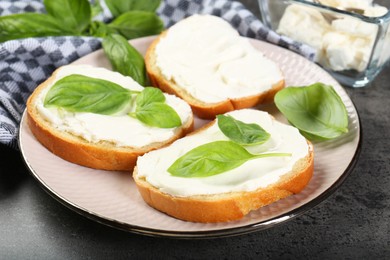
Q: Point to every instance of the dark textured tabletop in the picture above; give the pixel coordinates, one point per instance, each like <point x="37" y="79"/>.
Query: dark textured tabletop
<point x="352" y="223"/>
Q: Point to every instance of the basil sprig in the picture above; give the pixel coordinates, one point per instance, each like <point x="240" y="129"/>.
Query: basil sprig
<point x="240" y="132"/>
<point x="79" y="93"/>
<point x="132" y="19"/>
<point x="316" y="110"/>
<point x="214" y="158"/>
<point x="220" y="156"/>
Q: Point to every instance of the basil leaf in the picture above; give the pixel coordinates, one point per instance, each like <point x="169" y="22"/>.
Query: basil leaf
<point x="135" y="24"/>
<point x="26" y="25"/>
<point x="240" y="132"/>
<point x="152" y="110"/>
<point x="213" y="158"/>
<point x="159" y="115"/>
<point x="73" y="15"/>
<point x="118" y="7"/>
<point x="125" y="58"/>
<point x="149" y="95"/>
<point x="316" y="110"/>
<point x="78" y="93"/>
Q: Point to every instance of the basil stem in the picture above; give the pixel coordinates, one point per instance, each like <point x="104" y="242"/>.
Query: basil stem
<point x="100" y="29"/>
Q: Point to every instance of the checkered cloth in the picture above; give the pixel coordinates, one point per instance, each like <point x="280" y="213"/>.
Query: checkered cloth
<point x="27" y="62"/>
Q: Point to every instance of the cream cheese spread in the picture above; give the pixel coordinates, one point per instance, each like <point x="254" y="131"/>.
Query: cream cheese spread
<point x="250" y="176"/>
<point x="119" y="129"/>
<point x="208" y="59"/>
<point x="343" y="42"/>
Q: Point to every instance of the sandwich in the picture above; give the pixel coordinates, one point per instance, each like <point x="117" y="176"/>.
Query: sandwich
<point x="203" y="60"/>
<point x="239" y="162"/>
<point x="101" y="119"/>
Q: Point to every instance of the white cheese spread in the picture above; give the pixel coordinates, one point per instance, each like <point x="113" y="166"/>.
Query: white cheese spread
<point x="247" y="177"/>
<point x="119" y="129"/>
<point x="343" y="42"/>
<point x="208" y="59"/>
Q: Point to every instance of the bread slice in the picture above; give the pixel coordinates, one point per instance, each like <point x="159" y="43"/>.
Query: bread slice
<point x="225" y="206"/>
<point x="204" y="109"/>
<point x="104" y="155"/>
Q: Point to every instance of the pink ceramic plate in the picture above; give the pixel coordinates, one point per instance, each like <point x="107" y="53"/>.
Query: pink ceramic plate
<point x="112" y="198"/>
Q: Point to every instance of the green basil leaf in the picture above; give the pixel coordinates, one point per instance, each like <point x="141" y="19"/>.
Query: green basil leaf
<point x="135" y="24"/>
<point x="26" y="25"/>
<point x="118" y="7"/>
<point x="214" y="158"/>
<point x="125" y="58"/>
<point x="74" y="15"/>
<point x="78" y="93"/>
<point x="316" y="110"/>
<point x="158" y="115"/>
<point x="240" y="132"/>
<point x="152" y="111"/>
<point x="149" y="95"/>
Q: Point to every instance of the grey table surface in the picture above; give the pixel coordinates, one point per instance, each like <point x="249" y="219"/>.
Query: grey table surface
<point x="352" y="223"/>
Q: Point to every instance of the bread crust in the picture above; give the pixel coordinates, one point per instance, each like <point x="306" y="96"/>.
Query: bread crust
<point x="227" y="206"/>
<point x="202" y="109"/>
<point x="102" y="155"/>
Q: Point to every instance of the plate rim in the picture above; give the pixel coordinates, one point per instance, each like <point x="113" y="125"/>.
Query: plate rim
<point x="204" y="234"/>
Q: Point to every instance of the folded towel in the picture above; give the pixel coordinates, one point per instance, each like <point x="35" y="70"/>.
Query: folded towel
<point x="26" y="63"/>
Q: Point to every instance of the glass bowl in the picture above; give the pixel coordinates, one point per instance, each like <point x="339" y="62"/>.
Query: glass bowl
<point x="350" y="38"/>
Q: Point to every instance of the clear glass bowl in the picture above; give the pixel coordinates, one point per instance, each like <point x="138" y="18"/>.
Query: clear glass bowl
<point x="353" y="46"/>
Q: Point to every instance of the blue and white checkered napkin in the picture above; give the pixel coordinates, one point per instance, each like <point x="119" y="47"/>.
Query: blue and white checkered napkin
<point x="27" y="62"/>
